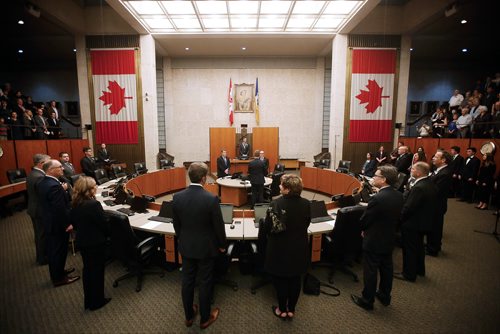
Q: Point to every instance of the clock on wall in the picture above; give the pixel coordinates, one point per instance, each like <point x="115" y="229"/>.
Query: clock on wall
<point x="488" y="148"/>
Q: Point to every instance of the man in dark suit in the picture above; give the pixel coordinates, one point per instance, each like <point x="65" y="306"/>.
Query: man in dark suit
<point x="469" y="174"/>
<point x="441" y="177"/>
<point x="53" y="126"/>
<point x="256" y="175"/>
<point x="36" y="175"/>
<point x="417" y="216"/>
<point x="378" y="224"/>
<point x="68" y="168"/>
<point x="55" y="203"/>
<point x="223" y="164"/>
<point x="201" y="237"/>
<point x="40" y="124"/>
<point x="456" y="167"/>
<point x="403" y="162"/>
<point x="103" y="154"/>
<point x="244" y="149"/>
<point x="265" y="160"/>
<point x="88" y="162"/>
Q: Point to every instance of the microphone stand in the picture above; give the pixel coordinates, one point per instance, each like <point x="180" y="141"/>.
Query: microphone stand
<point x="495" y="231"/>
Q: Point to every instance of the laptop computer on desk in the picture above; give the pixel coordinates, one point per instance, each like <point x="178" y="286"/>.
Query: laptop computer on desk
<point x="166" y="214"/>
<point x="319" y="213"/>
<point x="139" y="204"/>
<point x="227" y="213"/>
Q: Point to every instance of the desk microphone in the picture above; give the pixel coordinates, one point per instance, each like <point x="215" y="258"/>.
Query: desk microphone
<point x="314" y="195"/>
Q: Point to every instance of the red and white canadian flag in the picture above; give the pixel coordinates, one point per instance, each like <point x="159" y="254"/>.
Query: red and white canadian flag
<point x="115" y="96"/>
<point x="372" y="93"/>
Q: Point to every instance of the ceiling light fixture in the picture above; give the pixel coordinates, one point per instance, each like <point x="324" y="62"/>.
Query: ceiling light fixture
<point x="20" y="22"/>
<point x="20" y="51"/>
<point x="74" y="50"/>
<point x="411" y="49"/>
<point x="464" y="50"/>
<point x="243" y="48"/>
<point x="187" y="49"/>
<point x="463" y="21"/>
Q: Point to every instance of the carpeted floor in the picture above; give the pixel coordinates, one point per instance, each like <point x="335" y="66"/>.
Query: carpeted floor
<point x="461" y="293"/>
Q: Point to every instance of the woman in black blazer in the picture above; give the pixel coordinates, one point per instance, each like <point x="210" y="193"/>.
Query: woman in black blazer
<point x="287" y="255"/>
<point x="87" y="217"/>
<point x="485" y="181"/>
<point x="370" y="166"/>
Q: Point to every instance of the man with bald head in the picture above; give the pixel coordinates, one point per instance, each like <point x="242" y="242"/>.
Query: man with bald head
<point x="54" y="199"/>
<point x="403" y="162"/>
<point x="417" y="218"/>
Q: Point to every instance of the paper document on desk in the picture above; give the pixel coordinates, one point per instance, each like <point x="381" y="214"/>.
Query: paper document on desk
<point x="331" y="223"/>
<point x="151" y="225"/>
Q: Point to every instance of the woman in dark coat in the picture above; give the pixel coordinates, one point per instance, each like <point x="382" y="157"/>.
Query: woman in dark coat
<point x="485" y="181"/>
<point x="287" y="253"/>
<point x="370" y="166"/>
<point x="87" y="217"/>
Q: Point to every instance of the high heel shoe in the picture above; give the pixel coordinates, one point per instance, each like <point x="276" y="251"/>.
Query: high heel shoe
<point x="280" y="315"/>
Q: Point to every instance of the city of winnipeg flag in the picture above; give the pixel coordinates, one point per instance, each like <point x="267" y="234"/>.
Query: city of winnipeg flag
<point x="115" y="96"/>
<point x="372" y="94"/>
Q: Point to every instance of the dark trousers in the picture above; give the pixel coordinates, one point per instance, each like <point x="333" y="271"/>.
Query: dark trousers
<point x="372" y="264"/>
<point x="455" y="190"/>
<point x="413" y="253"/>
<point x="94" y="259"/>
<point x="435" y="236"/>
<point x="190" y="269"/>
<point x="57" y="250"/>
<point x="257" y="193"/>
<point x="40" y="240"/>
<point x="288" y="291"/>
<point x="467" y="189"/>
<point x="483" y="193"/>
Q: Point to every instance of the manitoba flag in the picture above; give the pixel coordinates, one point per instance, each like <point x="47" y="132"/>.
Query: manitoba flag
<point x="115" y="96"/>
<point x="372" y="93"/>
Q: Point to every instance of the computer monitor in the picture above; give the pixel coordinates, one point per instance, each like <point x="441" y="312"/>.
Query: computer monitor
<point x="139" y="204"/>
<point x="318" y="209"/>
<point x="166" y="209"/>
<point x="120" y="195"/>
<point x="227" y="213"/>
<point x="260" y="211"/>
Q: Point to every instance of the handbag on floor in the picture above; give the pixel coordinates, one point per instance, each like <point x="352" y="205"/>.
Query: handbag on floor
<point x="312" y="286"/>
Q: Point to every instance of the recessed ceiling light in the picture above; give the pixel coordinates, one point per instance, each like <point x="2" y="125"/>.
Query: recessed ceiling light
<point x="411" y="49"/>
<point x="243" y="48"/>
<point x="463" y="21"/>
<point x="20" y="22"/>
<point x="74" y="50"/>
<point x="20" y="51"/>
<point x="464" y="50"/>
<point x="187" y="49"/>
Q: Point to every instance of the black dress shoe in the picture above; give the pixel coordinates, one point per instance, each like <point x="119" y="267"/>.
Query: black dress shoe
<point x="382" y="299"/>
<point x="66" y="280"/>
<point x="431" y="253"/>
<point x="213" y="316"/>
<point x="104" y="302"/>
<point x="189" y="322"/>
<point x="402" y="277"/>
<point x="361" y="302"/>
<point x="69" y="270"/>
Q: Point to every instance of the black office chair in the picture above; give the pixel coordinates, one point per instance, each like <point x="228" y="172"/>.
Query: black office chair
<point x="402" y="180"/>
<point x="140" y="168"/>
<point x="222" y="264"/>
<point x="279" y="168"/>
<point x="344" y="166"/>
<point x="322" y="160"/>
<point x="75" y="177"/>
<point x="343" y="245"/>
<point x="166" y="164"/>
<point x="118" y="171"/>
<point x="16" y="175"/>
<point x="135" y="254"/>
<point x="101" y="176"/>
<point x="259" y="257"/>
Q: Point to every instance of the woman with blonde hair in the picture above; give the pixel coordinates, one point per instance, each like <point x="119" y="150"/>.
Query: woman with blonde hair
<point x="89" y="221"/>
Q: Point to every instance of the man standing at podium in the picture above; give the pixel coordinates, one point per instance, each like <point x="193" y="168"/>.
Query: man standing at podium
<point x="223" y="164"/>
<point x="201" y="237"/>
<point x="244" y="149"/>
<point x="256" y="174"/>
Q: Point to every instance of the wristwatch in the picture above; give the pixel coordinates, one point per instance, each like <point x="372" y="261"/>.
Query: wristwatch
<point x="488" y="148"/>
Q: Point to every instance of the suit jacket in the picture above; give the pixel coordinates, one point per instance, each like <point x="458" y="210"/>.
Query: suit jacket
<point x="40" y="123"/>
<point x="32" y="181"/>
<point x="471" y="169"/>
<point x="222" y="166"/>
<point x="53" y="126"/>
<point x="244" y="149"/>
<point x="256" y="172"/>
<point x="55" y="203"/>
<point x="90" y="224"/>
<point x="403" y="163"/>
<point x="380" y="221"/>
<point x="68" y="170"/>
<point x="198" y="223"/>
<point x="370" y="168"/>
<point x="442" y="180"/>
<point x="287" y="253"/>
<point x="420" y="206"/>
<point x="457" y="165"/>
<point x="88" y="166"/>
<point x="381" y="155"/>
<point x="101" y="156"/>
<point x="266" y="166"/>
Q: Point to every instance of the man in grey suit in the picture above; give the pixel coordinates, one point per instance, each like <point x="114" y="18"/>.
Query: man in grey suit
<point x="201" y="237"/>
<point x="36" y="175"/>
<point x="68" y="168"/>
<point x="417" y="218"/>
<point x="378" y="224"/>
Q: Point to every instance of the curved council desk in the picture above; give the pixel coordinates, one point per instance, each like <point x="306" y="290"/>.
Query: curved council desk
<point x="234" y="191"/>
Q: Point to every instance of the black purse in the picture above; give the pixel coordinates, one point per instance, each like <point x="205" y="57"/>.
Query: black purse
<point x="277" y="217"/>
<point x="312" y="286"/>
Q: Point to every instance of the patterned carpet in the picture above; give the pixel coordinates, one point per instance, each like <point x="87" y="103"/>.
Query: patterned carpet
<point x="461" y="293"/>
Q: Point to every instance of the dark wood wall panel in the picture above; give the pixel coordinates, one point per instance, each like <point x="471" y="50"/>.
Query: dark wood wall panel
<point x="25" y="149"/>
<point x="128" y="154"/>
<point x="76" y="154"/>
<point x="410" y="142"/>
<point x="267" y="140"/>
<point x="221" y="138"/>
<point x="54" y="147"/>
<point x="430" y="145"/>
<point x="7" y="160"/>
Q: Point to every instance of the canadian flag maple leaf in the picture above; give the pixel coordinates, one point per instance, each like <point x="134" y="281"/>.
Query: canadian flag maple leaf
<point x="115" y="97"/>
<point x="373" y="96"/>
